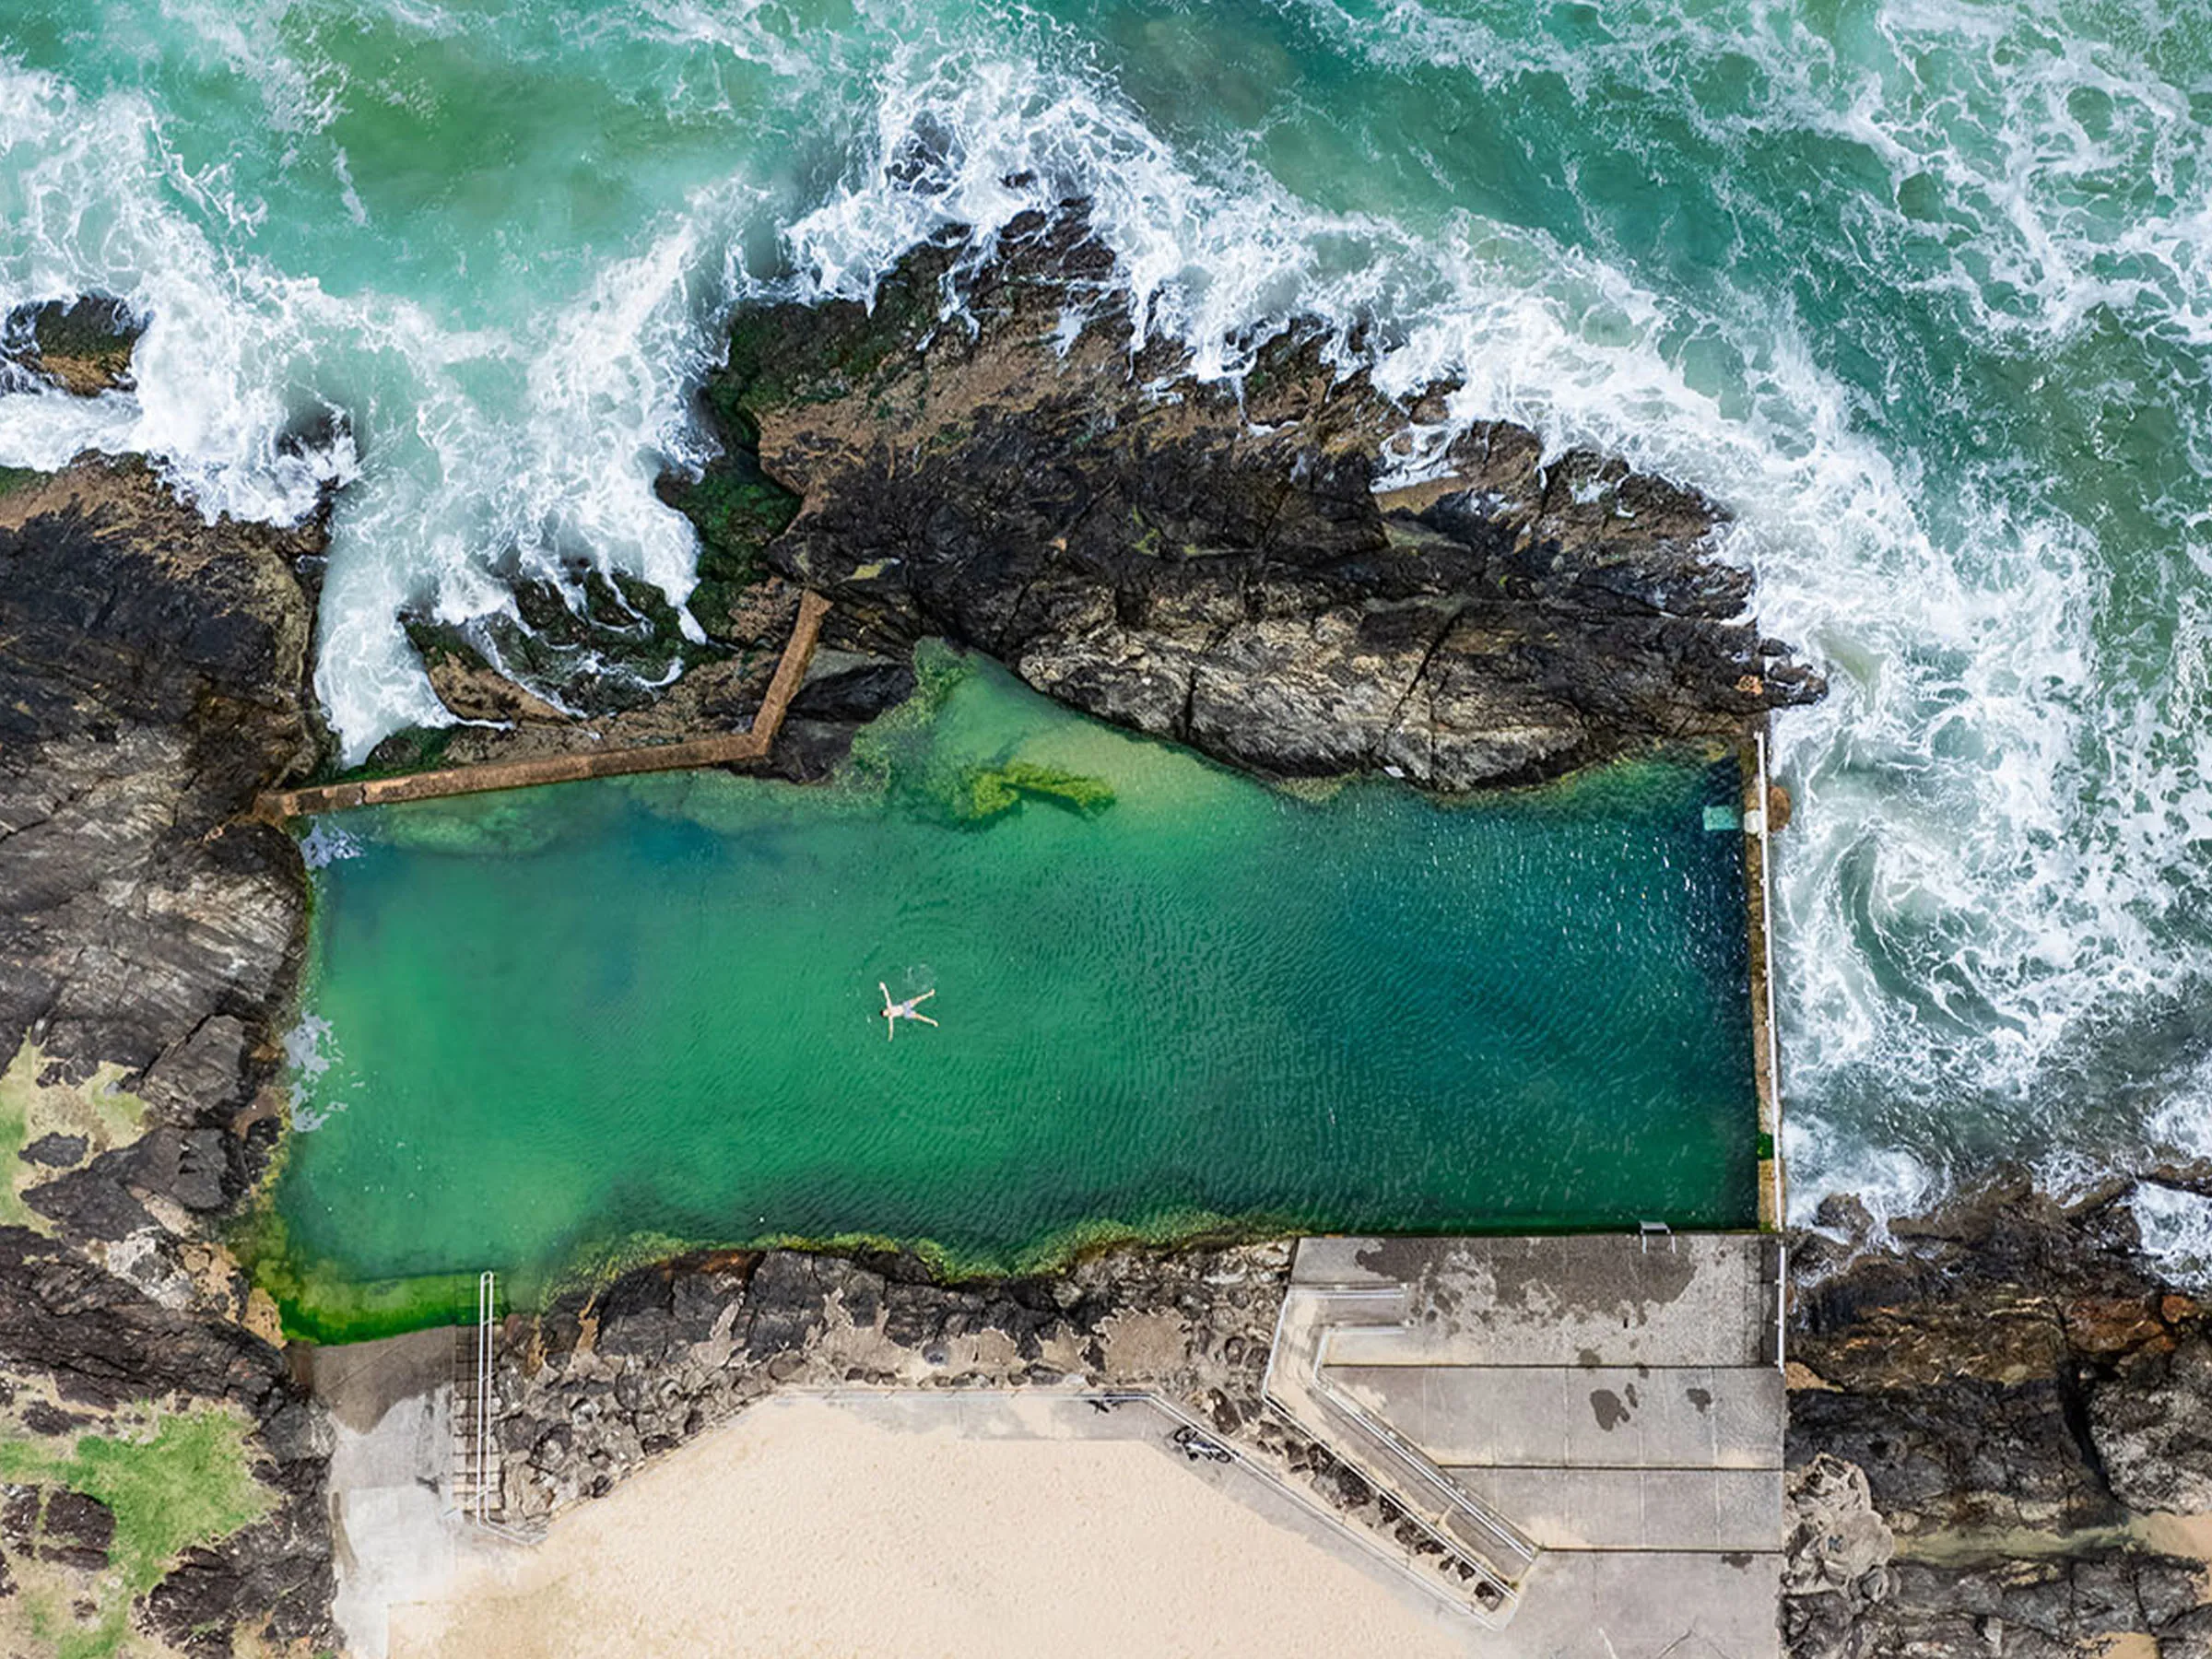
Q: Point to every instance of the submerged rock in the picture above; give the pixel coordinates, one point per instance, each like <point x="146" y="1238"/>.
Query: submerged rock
<point x="1216" y="564"/>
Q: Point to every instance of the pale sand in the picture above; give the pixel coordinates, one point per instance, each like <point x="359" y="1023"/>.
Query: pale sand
<point x="806" y="1530"/>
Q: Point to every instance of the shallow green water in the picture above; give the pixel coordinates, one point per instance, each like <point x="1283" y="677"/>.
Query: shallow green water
<point x="561" y="1018"/>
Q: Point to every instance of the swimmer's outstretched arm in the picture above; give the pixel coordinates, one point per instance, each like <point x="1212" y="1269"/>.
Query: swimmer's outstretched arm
<point x="888" y="1004"/>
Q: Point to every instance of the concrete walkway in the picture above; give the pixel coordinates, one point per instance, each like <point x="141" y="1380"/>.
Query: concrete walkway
<point x="1479" y="1549"/>
<point x="1599" y="1419"/>
<point x="735" y="748"/>
<point x="1580" y="1440"/>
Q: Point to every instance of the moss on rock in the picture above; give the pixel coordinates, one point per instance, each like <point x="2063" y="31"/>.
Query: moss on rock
<point x="173" y="1481"/>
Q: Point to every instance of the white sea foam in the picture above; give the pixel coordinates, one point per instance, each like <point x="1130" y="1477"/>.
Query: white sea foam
<point x="1993" y="874"/>
<point x="238" y="354"/>
<point x="2175" y="1226"/>
<point x="87" y="208"/>
<point x="310" y="1049"/>
<point x="310" y="1046"/>
<point x="307" y="1119"/>
<point x="605" y="381"/>
<point x="2183" y="1126"/>
<point x="324" y="844"/>
<point x="2002" y="805"/>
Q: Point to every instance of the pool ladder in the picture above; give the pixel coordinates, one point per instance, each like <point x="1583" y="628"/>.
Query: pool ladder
<point x="478" y="1489"/>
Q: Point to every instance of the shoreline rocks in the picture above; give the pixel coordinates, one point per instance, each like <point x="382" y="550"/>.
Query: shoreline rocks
<point x="81" y="346"/>
<point x="152" y="679"/>
<point x="987" y="455"/>
<point x="1220" y="566"/>
<point x="2004" y="1396"/>
<point x="1981" y="1419"/>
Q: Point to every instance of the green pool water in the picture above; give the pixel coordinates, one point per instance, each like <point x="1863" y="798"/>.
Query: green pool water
<point x="545" y="1025"/>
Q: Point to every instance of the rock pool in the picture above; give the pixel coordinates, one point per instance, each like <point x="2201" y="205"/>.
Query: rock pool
<point x="549" y="1026"/>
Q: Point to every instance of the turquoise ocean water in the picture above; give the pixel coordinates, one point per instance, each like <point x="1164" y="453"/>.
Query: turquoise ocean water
<point x="1921" y="291"/>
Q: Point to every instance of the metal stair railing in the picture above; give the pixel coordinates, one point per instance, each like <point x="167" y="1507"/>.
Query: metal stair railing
<point x="477" y="1486"/>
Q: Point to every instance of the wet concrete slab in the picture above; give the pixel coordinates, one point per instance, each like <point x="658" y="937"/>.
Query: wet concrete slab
<point x="1704" y="1511"/>
<point x="1672" y="1299"/>
<point x="1614" y="1402"/>
<point x="1690" y="1416"/>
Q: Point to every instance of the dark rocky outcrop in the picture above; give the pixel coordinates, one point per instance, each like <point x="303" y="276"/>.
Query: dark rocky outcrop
<point x="605" y="1379"/>
<point x="2014" y="1389"/>
<point x="104" y="1345"/>
<point x="152" y="676"/>
<point x="1202" y="561"/>
<point x="82" y="346"/>
<point x="1213" y="565"/>
<point x="53" y="1523"/>
<point x="152" y="679"/>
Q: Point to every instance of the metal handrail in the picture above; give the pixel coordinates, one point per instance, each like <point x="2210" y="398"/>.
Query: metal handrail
<point x="486" y="1304"/>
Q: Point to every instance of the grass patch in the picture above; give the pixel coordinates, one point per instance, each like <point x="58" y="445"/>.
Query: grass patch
<point x="180" y="1480"/>
<point x="15" y="1124"/>
<point x="13" y="478"/>
<point x="190" y="1484"/>
<point x="100" y="1112"/>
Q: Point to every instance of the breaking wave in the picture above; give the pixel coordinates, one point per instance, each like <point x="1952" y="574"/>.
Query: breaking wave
<point x="1919" y="293"/>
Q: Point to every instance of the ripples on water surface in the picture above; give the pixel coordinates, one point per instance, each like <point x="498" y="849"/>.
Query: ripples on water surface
<point x="1921" y="290"/>
<point x="547" y="1020"/>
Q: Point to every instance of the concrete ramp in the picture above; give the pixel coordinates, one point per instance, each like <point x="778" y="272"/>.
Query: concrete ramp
<point x="1595" y="1422"/>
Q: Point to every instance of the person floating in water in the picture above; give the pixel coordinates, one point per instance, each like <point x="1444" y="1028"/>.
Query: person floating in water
<point x="895" y="1012"/>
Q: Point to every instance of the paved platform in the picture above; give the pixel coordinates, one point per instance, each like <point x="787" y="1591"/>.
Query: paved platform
<point x="1597" y="1420"/>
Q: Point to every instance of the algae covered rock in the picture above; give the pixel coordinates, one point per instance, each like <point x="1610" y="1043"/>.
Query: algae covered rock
<point x="2001" y="1391"/>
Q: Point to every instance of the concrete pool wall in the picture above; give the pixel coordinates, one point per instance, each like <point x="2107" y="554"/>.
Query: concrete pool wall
<point x="1760" y="798"/>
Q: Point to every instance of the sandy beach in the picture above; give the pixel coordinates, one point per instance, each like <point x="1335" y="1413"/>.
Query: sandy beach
<point x="809" y="1529"/>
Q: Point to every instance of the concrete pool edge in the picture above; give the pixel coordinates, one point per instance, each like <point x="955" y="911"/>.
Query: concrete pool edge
<point x="1766" y="1042"/>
